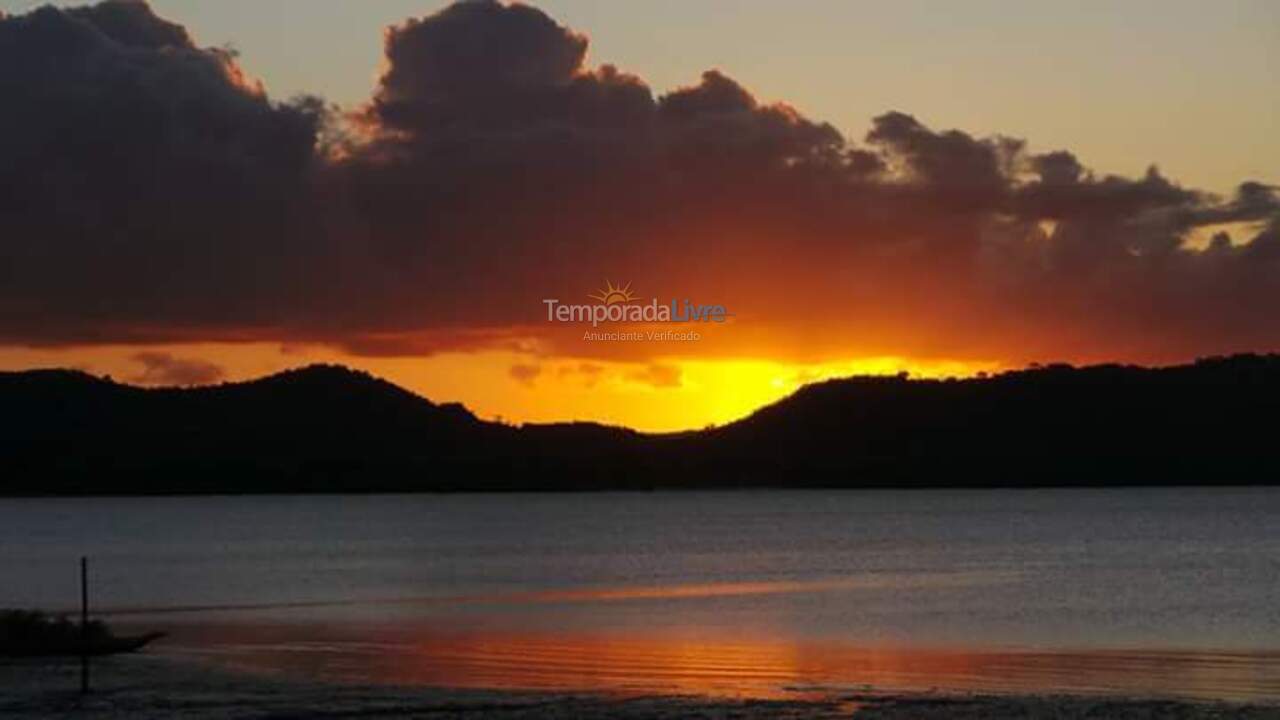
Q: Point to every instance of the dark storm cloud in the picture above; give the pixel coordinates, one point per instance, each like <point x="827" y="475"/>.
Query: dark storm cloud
<point x="718" y="121"/>
<point x="495" y="158"/>
<point x="134" y="24"/>
<point x="479" y="71"/>
<point x="952" y="160"/>
<point x="146" y="185"/>
<point x="151" y="192"/>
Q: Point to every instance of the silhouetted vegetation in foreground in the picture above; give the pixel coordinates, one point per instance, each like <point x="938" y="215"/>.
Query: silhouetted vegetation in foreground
<point x="330" y="429"/>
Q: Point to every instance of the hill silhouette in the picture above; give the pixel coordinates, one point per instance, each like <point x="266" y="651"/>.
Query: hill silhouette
<point x="331" y="429"/>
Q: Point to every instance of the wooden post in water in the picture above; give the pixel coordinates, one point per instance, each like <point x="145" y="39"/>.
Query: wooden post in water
<point x="84" y="625"/>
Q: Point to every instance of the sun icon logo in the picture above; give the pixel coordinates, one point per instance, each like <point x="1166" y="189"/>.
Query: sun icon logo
<point x="614" y="294"/>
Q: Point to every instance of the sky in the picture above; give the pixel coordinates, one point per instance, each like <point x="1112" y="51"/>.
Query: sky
<point x="1123" y="84"/>
<point x="864" y="187"/>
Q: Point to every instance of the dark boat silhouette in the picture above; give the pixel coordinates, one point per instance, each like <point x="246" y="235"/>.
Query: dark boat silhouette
<point x="26" y="633"/>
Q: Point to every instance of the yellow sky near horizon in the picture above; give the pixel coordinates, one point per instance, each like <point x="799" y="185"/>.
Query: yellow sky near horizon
<point x="667" y="394"/>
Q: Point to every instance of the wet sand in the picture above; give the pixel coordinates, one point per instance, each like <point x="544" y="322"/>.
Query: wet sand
<point x="153" y="687"/>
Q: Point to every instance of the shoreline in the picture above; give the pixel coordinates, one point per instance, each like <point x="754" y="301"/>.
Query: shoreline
<point x="924" y="487"/>
<point x="157" y="687"/>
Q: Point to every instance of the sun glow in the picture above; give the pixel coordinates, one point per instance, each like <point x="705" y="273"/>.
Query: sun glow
<point x="660" y="395"/>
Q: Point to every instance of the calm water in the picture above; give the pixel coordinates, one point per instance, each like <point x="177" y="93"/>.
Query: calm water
<point x="1151" y="591"/>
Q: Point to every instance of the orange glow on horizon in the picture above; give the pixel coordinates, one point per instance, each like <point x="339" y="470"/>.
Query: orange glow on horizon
<point x="659" y="396"/>
<point x="761" y="664"/>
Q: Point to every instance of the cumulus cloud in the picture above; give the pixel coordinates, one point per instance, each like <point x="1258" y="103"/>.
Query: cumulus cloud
<point x="163" y="369"/>
<point x="151" y="191"/>
<point x="147" y="185"/>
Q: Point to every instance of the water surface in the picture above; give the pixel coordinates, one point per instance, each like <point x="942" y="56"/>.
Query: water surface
<point x="1137" y="591"/>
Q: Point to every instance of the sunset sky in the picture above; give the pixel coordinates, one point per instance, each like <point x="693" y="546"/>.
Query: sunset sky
<point x="944" y="188"/>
